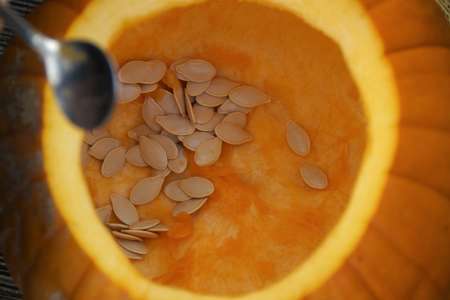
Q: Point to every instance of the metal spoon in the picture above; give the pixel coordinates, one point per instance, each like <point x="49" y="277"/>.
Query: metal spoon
<point x="82" y="77"/>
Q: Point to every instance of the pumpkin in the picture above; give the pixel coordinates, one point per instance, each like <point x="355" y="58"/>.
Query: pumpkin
<point x="369" y="79"/>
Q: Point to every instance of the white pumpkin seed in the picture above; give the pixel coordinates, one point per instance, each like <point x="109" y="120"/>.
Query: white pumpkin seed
<point x="114" y="162"/>
<point x="221" y="87"/>
<point x="208" y="152"/>
<point x="313" y="176"/>
<point x="196" y="70"/>
<point x="148" y="88"/>
<point x="124" y="209"/>
<point x="194" y="140"/>
<point x="84" y="156"/>
<point x="189" y="206"/>
<point x="174" y="64"/>
<point x="210" y="101"/>
<point x="196" y="88"/>
<point x="179" y="164"/>
<point x="134" y="157"/>
<point x="248" y="96"/>
<point x="173" y="191"/>
<point x="145" y="224"/>
<point x="133" y="246"/>
<point x="150" y="110"/>
<point x="174" y="138"/>
<point x="159" y="228"/>
<point x="166" y="101"/>
<point x="115" y="226"/>
<point x="232" y="134"/>
<point x="125" y="236"/>
<point x="140" y="233"/>
<point x="169" y="146"/>
<point x="203" y="114"/>
<point x="211" y="124"/>
<point x="173" y="82"/>
<point x="91" y="137"/>
<point x="153" y="153"/>
<point x="146" y="190"/>
<point x="138" y="71"/>
<point x="102" y="147"/>
<point x="128" y="93"/>
<point x="197" y="187"/>
<point x="104" y="213"/>
<point x="237" y="118"/>
<point x="189" y="108"/>
<point x="131" y="255"/>
<point x="229" y="107"/>
<point x="136" y="132"/>
<point x="175" y="124"/>
<point x="297" y="139"/>
<point x="162" y="173"/>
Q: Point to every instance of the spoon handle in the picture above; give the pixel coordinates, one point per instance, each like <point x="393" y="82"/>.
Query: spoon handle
<point x="32" y="37"/>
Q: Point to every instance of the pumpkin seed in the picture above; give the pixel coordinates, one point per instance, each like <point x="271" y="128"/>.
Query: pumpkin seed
<point x="102" y="147"/>
<point x="84" y="157"/>
<point x="211" y="124"/>
<point x="208" y="152"/>
<point x="117" y="226"/>
<point x="172" y="81"/>
<point x="104" y="213"/>
<point x="166" y="101"/>
<point x="189" y="108"/>
<point x="131" y="255"/>
<point x="169" y="146"/>
<point x="196" y="187"/>
<point x="159" y="228"/>
<point x="124" y="209"/>
<point x="297" y="139"/>
<point x="138" y="71"/>
<point x="237" y="118"/>
<point x="136" y="132"/>
<point x="196" y="88"/>
<point x="146" y="190"/>
<point x="94" y="135"/>
<point x="248" y="96"/>
<point x="177" y="62"/>
<point x="196" y="70"/>
<point x="229" y="107"/>
<point x="174" y="138"/>
<point x="210" y="101"/>
<point x="175" y="124"/>
<point x="153" y="153"/>
<point x="133" y="246"/>
<point x="140" y="234"/>
<point x="148" y="88"/>
<point x="162" y="173"/>
<point x="173" y="191"/>
<point x="179" y="164"/>
<point x="232" y="134"/>
<point x="125" y="236"/>
<point x="313" y="176"/>
<point x="194" y="140"/>
<point x="144" y="224"/>
<point x="203" y="114"/>
<point x="221" y="87"/>
<point x="128" y="93"/>
<point x="114" y="162"/>
<point x="150" y="110"/>
<point x="189" y="206"/>
<point x="134" y="157"/>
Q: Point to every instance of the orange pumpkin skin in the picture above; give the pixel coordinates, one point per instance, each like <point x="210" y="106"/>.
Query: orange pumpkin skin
<point x="405" y="252"/>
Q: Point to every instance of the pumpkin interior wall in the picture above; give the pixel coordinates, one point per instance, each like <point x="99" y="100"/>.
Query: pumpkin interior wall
<point x="262" y="221"/>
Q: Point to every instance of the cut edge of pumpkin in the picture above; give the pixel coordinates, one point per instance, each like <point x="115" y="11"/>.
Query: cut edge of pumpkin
<point x="370" y="71"/>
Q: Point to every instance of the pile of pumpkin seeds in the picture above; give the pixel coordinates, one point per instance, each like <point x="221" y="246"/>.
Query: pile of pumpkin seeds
<point x="185" y="106"/>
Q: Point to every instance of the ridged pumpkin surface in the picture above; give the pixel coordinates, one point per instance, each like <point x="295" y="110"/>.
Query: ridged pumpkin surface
<point x="262" y="226"/>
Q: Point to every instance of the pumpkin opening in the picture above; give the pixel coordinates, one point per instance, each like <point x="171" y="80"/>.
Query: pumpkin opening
<point x="263" y="230"/>
<point x="262" y="222"/>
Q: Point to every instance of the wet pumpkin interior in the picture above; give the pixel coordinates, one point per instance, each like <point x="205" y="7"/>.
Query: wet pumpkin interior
<point x="263" y="221"/>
